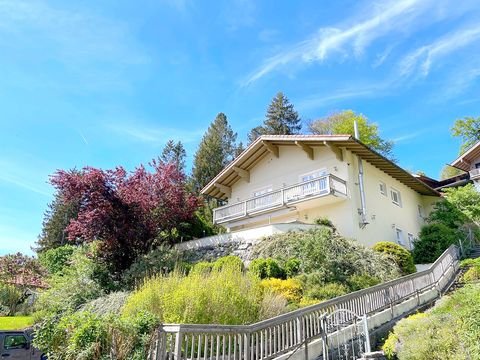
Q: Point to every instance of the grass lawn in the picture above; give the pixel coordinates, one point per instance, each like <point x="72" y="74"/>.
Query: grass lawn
<point x="15" y="322"/>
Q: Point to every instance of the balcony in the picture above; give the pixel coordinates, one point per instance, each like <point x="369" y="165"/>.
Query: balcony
<point x="316" y="188"/>
<point x="474" y="174"/>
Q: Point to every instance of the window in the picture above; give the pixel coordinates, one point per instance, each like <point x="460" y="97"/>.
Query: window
<point x="313" y="175"/>
<point x="477" y="166"/>
<point x="383" y="188"/>
<point x="399" y="236"/>
<point x="262" y="191"/>
<point x="396" y="198"/>
<point x="411" y="239"/>
<point x="15" y="342"/>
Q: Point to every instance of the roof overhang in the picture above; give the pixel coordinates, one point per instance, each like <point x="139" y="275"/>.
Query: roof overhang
<point x="219" y="186"/>
<point x="464" y="161"/>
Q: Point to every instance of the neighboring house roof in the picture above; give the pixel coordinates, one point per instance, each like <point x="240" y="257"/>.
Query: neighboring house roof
<point x="464" y="161"/>
<point x="267" y="144"/>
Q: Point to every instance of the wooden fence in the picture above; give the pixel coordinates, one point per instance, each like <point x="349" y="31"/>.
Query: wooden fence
<point x="276" y="336"/>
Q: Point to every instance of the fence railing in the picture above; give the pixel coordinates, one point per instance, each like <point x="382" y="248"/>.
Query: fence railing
<point x="321" y="186"/>
<point x="273" y="337"/>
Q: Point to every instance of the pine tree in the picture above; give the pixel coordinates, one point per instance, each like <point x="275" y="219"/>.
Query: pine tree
<point x="174" y="153"/>
<point x="281" y="119"/>
<point x="215" y="151"/>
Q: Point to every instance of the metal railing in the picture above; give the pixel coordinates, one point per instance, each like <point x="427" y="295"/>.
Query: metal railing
<point x="273" y="337"/>
<point x="321" y="186"/>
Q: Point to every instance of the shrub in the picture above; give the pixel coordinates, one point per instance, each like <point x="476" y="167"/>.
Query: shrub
<point x="266" y="268"/>
<point x="359" y="282"/>
<point x="226" y="296"/>
<point x="161" y="260"/>
<point x="85" y="335"/>
<point x="327" y="291"/>
<point x="448" y="331"/>
<point x="332" y="257"/>
<point x="55" y="260"/>
<point x="399" y="255"/>
<point x="231" y="260"/>
<point x="324" y="222"/>
<point x="201" y="267"/>
<point x="108" y="304"/>
<point x="433" y="240"/>
<point x="273" y="304"/>
<point x="72" y="287"/>
<point x="290" y="289"/>
<point x="10" y="298"/>
<point x="292" y="267"/>
<point x="472" y="274"/>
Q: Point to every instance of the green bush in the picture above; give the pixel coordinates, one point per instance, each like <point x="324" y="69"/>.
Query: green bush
<point x="331" y="257"/>
<point x="359" y="282"/>
<point x="201" y="267"/>
<point x="451" y="330"/>
<point x="230" y="260"/>
<point x="433" y="240"/>
<point x="72" y="287"/>
<point x="399" y="255"/>
<point x="88" y="336"/>
<point x="292" y="267"/>
<point x="327" y="291"/>
<point x="266" y="268"/>
<point x="324" y="222"/>
<point x="10" y="299"/>
<point x="161" y="260"/>
<point x="56" y="259"/>
<point x="472" y="274"/>
<point x="226" y="296"/>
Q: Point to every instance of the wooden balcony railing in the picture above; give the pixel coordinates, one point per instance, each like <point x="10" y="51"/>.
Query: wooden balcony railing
<point x="321" y="186"/>
<point x="474" y="173"/>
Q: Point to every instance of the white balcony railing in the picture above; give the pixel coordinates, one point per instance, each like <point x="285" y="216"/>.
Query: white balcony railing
<point x="322" y="186"/>
<point x="475" y="173"/>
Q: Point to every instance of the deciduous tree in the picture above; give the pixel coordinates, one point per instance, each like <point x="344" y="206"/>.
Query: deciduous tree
<point x="128" y="212"/>
<point x="468" y="129"/>
<point x="343" y="123"/>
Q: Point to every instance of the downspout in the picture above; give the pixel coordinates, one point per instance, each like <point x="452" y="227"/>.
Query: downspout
<point x="363" y="210"/>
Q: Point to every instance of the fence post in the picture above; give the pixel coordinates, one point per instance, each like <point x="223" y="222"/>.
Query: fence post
<point x="367" y="335"/>
<point x="177" y="354"/>
<point x="161" y="347"/>
<point x="323" y="331"/>
<point x="246" y="346"/>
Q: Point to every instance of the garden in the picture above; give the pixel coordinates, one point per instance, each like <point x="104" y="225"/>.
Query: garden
<point x="107" y="271"/>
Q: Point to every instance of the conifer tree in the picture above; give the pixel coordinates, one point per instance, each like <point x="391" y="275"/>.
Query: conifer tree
<point x="217" y="148"/>
<point x="174" y="153"/>
<point x="281" y="119"/>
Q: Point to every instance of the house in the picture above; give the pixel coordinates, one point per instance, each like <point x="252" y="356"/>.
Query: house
<point x="291" y="179"/>
<point x="470" y="163"/>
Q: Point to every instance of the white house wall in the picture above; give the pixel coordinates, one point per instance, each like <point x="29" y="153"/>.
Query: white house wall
<point x="382" y="214"/>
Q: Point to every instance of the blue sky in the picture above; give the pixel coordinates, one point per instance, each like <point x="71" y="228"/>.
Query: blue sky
<point x="107" y="83"/>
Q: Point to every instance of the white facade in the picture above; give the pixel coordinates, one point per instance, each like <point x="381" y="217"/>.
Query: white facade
<point x="394" y="211"/>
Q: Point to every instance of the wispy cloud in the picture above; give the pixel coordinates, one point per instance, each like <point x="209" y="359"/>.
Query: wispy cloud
<point x="20" y="177"/>
<point x="352" y="37"/>
<point x="86" y="48"/>
<point x="407" y="137"/>
<point x="154" y="135"/>
<point x="421" y="60"/>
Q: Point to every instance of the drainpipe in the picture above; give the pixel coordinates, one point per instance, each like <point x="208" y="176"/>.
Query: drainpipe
<point x="363" y="210"/>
